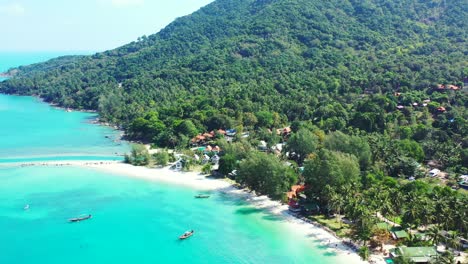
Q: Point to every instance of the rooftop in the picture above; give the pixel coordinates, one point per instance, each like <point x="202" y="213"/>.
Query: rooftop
<point x="400" y="234"/>
<point x="417" y="254"/>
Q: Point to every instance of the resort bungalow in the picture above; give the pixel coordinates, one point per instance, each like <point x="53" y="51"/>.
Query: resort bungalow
<point x="399" y="234"/>
<point x="447" y="87"/>
<point x="177" y="165"/>
<point x="198" y="140"/>
<point x="278" y="148"/>
<point x="284" y="132"/>
<point x="415" y="254"/>
<point x="205" y="159"/>
<point x="262" y="146"/>
<point x="209" y="135"/>
<point x="295" y="198"/>
<point x="463" y="183"/>
<point x="434" y="172"/>
<point x="215" y="159"/>
<point x="441" y="109"/>
<point x="202" y="139"/>
<point x="231" y="132"/>
<point x="216" y="149"/>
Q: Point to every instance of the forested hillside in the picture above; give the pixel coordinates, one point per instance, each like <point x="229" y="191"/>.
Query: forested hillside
<point x="370" y="68"/>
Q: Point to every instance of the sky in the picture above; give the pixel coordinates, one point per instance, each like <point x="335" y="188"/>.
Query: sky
<point x="85" y="25"/>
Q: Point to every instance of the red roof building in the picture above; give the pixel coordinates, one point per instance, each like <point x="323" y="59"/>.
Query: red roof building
<point x="295" y="190"/>
<point x="441" y="109"/>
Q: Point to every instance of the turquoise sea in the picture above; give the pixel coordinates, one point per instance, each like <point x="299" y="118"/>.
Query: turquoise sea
<point x="134" y="221"/>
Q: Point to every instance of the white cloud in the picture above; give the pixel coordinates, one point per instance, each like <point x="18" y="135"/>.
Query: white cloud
<point x="122" y="3"/>
<point x="12" y="9"/>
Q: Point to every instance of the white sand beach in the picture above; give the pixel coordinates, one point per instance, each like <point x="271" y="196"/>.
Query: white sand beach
<point x="201" y="182"/>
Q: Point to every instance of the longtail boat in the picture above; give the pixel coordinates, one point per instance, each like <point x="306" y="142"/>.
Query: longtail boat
<point x="80" y="218"/>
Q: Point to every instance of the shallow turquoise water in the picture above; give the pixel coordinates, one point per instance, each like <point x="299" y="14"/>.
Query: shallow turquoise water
<point x="30" y="128"/>
<point x="134" y="221"/>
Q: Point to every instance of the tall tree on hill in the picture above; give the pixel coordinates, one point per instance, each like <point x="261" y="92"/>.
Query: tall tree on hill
<point x="355" y="145"/>
<point x="301" y="144"/>
<point x="329" y="168"/>
<point x="265" y="174"/>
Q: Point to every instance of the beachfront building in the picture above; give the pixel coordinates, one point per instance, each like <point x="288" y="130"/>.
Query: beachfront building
<point x="434" y="172"/>
<point x="399" y="234"/>
<point x="294" y="198"/>
<point x="215" y="159"/>
<point x="415" y="254"/>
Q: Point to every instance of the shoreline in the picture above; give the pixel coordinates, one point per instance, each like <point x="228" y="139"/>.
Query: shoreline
<point x="195" y="180"/>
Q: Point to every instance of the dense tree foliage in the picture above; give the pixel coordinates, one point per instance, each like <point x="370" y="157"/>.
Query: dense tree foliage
<point x="358" y="146"/>
<point x="252" y="64"/>
<point x="265" y="174"/>
<point x="371" y="89"/>
<point x="301" y="144"/>
<point x="139" y="156"/>
<point x="330" y="168"/>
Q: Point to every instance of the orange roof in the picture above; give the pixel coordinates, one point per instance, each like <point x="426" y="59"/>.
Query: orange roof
<point x="220" y="131"/>
<point x="291" y="195"/>
<point x="198" y="138"/>
<point x="216" y="148"/>
<point x="209" y="148"/>
<point x="440" y="86"/>
<point x="298" y="188"/>
<point x="285" y="130"/>
<point x="453" y="87"/>
<point x="208" y="135"/>
<point x="441" y="109"/>
<point x="295" y="189"/>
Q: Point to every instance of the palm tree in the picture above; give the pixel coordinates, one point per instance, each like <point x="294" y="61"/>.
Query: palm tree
<point x="386" y="203"/>
<point x="448" y="215"/>
<point x="364" y="253"/>
<point x="444" y="258"/>
<point x="426" y="211"/>
<point x="452" y="240"/>
<point x="336" y="202"/>
<point x="411" y="213"/>
<point x="435" y="235"/>
<point x="460" y="216"/>
<point x="439" y="205"/>
<point x="398" y="200"/>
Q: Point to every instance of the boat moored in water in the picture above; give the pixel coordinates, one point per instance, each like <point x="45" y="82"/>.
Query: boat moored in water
<point x="202" y="196"/>
<point x="187" y="234"/>
<point x="80" y="218"/>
